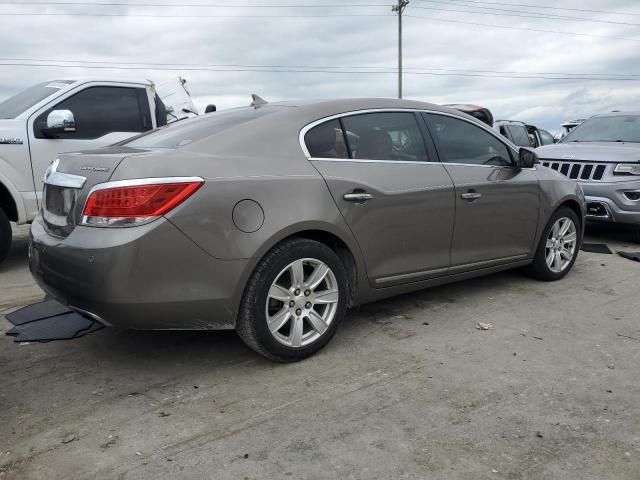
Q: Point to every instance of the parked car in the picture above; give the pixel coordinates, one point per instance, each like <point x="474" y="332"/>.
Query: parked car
<point x="481" y="113"/>
<point x="603" y="154"/>
<point x="274" y="219"/>
<point x="523" y="134"/>
<point x="63" y="115"/>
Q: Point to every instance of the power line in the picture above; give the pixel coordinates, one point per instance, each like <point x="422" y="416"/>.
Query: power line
<point x="74" y="14"/>
<point x="493" y="25"/>
<point x="143" y="65"/>
<point x="203" y="5"/>
<point x="520" y="13"/>
<point x="318" y="70"/>
<point x="546" y="7"/>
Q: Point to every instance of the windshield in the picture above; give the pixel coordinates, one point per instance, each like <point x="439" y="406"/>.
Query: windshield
<point x="620" y="128"/>
<point x="20" y="102"/>
<point x="185" y="132"/>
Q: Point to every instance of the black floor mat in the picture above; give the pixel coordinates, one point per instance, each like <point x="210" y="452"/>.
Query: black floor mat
<point x="47" y="321"/>
<point x="596" y="248"/>
<point x="630" y="255"/>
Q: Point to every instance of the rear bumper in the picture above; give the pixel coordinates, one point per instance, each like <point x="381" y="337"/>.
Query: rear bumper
<point x="610" y="202"/>
<point x="146" y="277"/>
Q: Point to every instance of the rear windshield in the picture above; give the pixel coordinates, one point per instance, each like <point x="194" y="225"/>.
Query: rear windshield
<point x="622" y="128"/>
<point x="20" y="102"/>
<point x="184" y="132"/>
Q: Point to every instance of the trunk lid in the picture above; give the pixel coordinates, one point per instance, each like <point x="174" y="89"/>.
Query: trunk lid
<point x="69" y="180"/>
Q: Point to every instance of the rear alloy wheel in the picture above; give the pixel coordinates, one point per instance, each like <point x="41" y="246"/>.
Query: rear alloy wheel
<point x="295" y="301"/>
<point x="558" y="247"/>
<point x="5" y="235"/>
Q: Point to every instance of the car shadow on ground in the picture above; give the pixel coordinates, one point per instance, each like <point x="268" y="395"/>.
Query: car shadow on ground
<point x="119" y="346"/>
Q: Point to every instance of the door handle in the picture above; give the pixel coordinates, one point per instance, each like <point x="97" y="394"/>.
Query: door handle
<point x="470" y="195"/>
<point x="357" y="197"/>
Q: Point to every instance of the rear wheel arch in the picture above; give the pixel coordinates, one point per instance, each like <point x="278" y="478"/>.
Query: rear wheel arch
<point x="8" y="204"/>
<point x="331" y="239"/>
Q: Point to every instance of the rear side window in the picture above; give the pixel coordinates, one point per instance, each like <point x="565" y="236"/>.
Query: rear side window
<point x="385" y="136"/>
<point x="460" y="141"/>
<point x="326" y="141"/>
<point x="520" y="135"/>
<point x="99" y="111"/>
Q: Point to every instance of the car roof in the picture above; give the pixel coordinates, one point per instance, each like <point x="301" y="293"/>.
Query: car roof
<point x="311" y="110"/>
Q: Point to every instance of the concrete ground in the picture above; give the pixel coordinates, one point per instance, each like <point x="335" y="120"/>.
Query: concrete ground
<point x="409" y="388"/>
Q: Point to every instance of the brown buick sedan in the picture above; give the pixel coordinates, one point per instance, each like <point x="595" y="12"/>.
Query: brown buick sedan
<point x="273" y="220"/>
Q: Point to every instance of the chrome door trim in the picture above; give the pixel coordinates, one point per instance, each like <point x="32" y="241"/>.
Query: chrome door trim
<point x="487" y="263"/>
<point x="414" y="276"/>
<point x="479" y="124"/>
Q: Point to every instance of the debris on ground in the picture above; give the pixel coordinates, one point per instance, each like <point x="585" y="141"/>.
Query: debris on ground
<point x="596" y="248"/>
<point x="539" y="435"/>
<point x="484" y="326"/>
<point x="113" y="439"/>
<point x="69" y="438"/>
<point x="538" y="338"/>
<point x="630" y="255"/>
<point x="163" y="414"/>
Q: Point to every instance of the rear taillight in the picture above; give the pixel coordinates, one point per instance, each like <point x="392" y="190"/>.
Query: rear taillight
<point x="134" y="202"/>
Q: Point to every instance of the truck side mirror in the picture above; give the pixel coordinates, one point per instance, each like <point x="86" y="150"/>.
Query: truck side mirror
<point x="59" y="121"/>
<point x="527" y="158"/>
<point x="210" y="108"/>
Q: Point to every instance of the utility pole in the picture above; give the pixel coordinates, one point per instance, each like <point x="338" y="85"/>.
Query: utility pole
<point x="399" y="8"/>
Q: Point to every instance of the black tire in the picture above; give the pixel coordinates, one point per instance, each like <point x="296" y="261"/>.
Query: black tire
<point x="635" y="234"/>
<point x="5" y="235"/>
<point x="252" y="324"/>
<point x="539" y="268"/>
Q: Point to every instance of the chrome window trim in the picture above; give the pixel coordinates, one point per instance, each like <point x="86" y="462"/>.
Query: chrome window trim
<point x="514" y="149"/>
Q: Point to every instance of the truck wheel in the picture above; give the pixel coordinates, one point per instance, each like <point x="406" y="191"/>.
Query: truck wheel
<point x="558" y="247"/>
<point x="5" y="235"/>
<point x="294" y="301"/>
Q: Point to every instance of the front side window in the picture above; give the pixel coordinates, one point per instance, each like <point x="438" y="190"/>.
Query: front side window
<point x="462" y="142"/>
<point x="385" y="136"/>
<point x="99" y="111"/>
<point x="546" y="137"/>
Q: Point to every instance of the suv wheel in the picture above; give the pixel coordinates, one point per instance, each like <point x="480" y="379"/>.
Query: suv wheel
<point x="294" y="301"/>
<point x="5" y="235"/>
<point x="635" y="234"/>
<point x="558" y="247"/>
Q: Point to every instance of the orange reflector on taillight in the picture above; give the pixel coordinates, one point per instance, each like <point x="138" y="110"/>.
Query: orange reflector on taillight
<point x="137" y="201"/>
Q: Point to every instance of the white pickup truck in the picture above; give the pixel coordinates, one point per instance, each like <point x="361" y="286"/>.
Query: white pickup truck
<point x="65" y="115"/>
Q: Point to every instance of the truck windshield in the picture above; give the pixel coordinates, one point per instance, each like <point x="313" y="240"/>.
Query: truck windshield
<point x="619" y="128"/>
<point x="20" y="102"/>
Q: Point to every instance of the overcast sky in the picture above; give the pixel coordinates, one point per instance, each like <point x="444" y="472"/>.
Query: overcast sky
<point x="364" y="36"/>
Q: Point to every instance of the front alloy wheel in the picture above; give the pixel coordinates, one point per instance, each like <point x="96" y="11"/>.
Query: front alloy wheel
<point x="561" y="244"/>
<point x="558" y="247"/>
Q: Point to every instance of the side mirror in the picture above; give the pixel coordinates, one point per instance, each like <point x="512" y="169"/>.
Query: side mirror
<point x="210" y="108"/>
<point x="527" y="158"/>
<point x="59" y="121"/>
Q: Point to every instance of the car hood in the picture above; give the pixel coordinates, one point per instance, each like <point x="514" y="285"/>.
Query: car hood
<point x="592" y="152"/>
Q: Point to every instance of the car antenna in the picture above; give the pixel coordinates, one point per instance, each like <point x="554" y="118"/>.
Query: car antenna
<point x="257" y="101"/>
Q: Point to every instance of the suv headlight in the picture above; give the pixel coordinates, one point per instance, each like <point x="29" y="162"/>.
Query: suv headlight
<point x="628" y="168"/>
